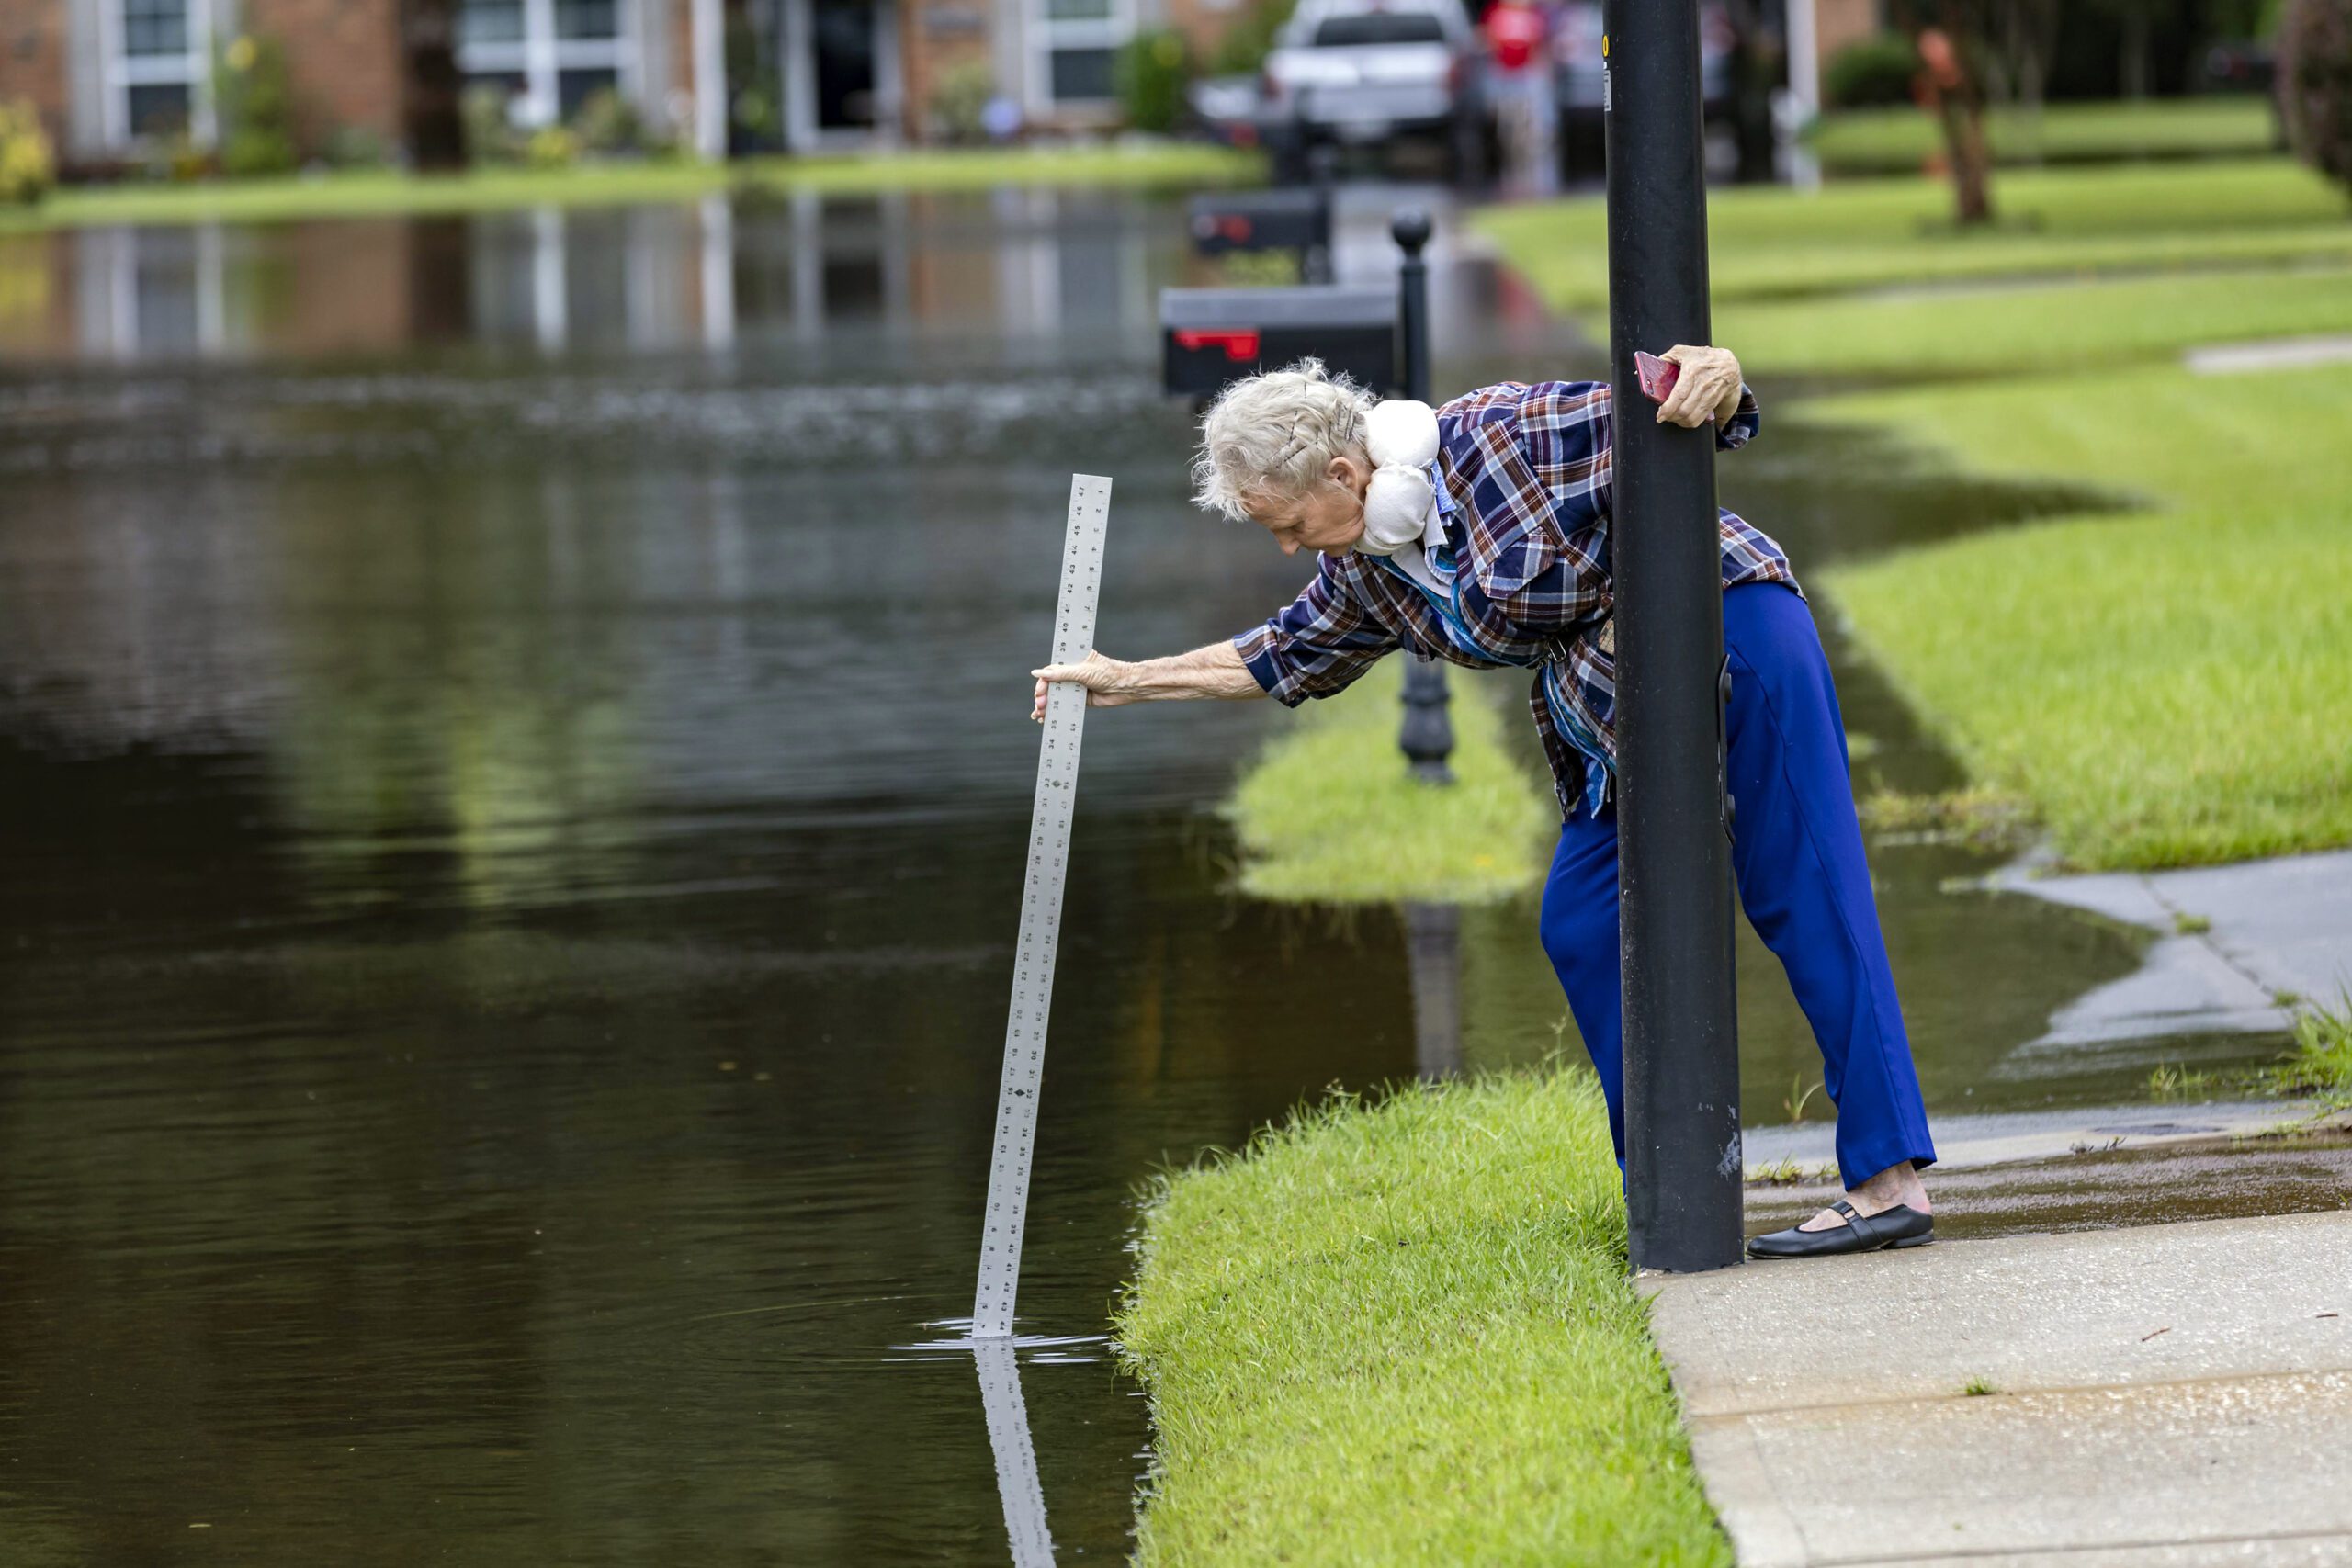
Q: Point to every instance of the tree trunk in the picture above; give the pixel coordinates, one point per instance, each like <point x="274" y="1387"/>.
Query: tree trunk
<point x="1951" y="90"/>
<point x="434" y="89"/>
<point x="2133" y="68"/>
<point x="1964" y="149"/>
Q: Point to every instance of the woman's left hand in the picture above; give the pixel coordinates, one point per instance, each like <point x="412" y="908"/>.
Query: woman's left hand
<point x="1707" y="389"/>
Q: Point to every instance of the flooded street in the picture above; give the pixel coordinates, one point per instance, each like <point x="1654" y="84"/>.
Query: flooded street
<point x="514" y="736"/>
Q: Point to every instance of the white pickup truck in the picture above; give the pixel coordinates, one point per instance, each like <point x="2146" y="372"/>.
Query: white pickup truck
<point x="1357" y="71"/>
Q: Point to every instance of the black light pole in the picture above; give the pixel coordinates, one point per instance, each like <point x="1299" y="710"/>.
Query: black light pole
<point x="1683" y="1148"/>
<point x="1427" y="737"/>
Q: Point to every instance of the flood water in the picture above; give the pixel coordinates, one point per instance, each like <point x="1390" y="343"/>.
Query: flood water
<point x="514" y="743"/>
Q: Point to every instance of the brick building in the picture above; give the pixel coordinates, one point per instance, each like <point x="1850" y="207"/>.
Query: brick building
<point x="110" y="76"/>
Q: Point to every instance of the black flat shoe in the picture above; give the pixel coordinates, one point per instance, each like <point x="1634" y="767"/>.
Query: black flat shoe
<point x="1899" y="1226"/>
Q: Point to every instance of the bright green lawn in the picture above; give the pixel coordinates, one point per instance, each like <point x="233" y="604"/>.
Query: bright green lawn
<point x="2171" y="687"/>
<point x="1769" y="242"/>
<point x="1405" y="1335"/>
<point x="376" y="193"/>
<point x="2038" y="328"/>
<point x="1894" y="139"/>
<point x="1331" y="816"/>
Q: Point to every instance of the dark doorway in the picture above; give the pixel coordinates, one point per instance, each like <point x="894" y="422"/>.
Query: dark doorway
<point x="844" y="32"/>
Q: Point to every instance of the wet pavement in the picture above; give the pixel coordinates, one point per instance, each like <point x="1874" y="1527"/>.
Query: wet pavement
<point x="2239" y="947"/>
<point x="517" y="796"/>
<point x="2112" y="1182"/>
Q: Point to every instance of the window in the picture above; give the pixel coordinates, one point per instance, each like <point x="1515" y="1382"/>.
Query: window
<point x="156" y="63"/>
<point x="1082" y="75"/>
<point x="157" y="109"/>
<point x="587" y="19"/>
<point x="1079" y="39"/>
<point x="1378" y="26"/>
<point x="561" y="51"/>
<point x="489" y="22"/>
<point x="574" y="88"/>
<point x="154" y="27"/>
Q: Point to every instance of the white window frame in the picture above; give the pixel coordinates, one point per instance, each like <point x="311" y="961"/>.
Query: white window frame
<point x="540" y="58"/>
<point x="123" y="72"/>
<point x="1050" y="34"/>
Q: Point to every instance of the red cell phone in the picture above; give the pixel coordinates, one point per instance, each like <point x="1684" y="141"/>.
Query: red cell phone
<point x="1657" y="376"/>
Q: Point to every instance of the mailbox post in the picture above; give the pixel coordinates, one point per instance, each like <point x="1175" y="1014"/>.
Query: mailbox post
<point x="1682" y="1146"/>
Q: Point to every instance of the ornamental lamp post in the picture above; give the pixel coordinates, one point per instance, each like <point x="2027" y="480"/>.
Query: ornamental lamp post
<point x="1428" y="735"/>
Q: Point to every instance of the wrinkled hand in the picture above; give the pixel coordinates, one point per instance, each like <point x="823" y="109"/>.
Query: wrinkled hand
<point x="1708" y="387"/>
<point x="1102" y="678"/>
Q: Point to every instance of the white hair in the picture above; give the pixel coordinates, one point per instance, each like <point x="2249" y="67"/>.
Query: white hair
<point x="1274" y="434"/>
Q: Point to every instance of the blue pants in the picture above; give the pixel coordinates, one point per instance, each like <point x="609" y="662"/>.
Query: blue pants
<point x="1797" y="853"/>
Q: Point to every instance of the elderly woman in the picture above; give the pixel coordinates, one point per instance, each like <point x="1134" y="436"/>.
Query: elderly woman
<point x="1478" y="532"/>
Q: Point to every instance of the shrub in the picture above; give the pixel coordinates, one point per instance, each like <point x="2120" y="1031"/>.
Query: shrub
<point x="959" y="100"/>
<point x="356" y="147"/>
<point x="490" y="132"/>
<point x="607" y="122"/>
<point x="552" y="146"/>
<point x="253" y="96"/>
<point x="1242" y="51"/>
<point x="27" y="167"/>
<point x="2316" y="83"/>
<point x="1875" y="70"/>
<point x="1153" y="71"/>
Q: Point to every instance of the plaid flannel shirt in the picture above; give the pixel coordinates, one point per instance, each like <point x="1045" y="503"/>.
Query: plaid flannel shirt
<point x="1523" y="481"/>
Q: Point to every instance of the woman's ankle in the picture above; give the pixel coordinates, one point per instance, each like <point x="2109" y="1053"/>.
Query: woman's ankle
<point x="1895" y="1184"/>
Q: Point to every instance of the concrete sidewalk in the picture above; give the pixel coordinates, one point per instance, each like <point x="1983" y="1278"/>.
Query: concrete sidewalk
<point x="2261" y="930"/>
<point x="2165" y="1394"/>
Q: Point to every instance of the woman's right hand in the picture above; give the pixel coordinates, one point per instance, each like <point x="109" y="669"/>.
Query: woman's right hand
<point x="1102" y="678"/>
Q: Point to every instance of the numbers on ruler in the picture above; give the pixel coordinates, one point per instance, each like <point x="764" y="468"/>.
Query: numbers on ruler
<point x="1049" y="842"/>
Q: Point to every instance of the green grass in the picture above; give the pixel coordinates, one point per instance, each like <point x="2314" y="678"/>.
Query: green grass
<point x="2166" y="687"/>
<point x="2176" y="1080"/>
<point x="1897" y="140"/>
<point x="1331" y="816"/>
<point x="1767" y="243"/>
<point x="2038" y="328"/>
<point x="382" y="193"/>
<point x="2321" y="1062"/>
<point x="1404" y="1335"/>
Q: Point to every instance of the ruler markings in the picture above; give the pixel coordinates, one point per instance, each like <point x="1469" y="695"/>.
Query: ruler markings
<point x="1041" y="914"/>
<point x="1018" y="1487"/>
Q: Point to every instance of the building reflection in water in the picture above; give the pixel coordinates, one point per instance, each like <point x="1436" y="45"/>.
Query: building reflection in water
<point x="716" y="275"/>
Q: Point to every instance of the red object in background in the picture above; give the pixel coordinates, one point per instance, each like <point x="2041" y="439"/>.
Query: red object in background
<point x="1656" y="375"/>
<point x="1240" y="344"/>
<point x="1515" y="34"/>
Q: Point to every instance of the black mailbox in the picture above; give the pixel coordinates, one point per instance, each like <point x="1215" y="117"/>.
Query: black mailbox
<point x="1211" y="336"/>
<point x="1298" y="219"/>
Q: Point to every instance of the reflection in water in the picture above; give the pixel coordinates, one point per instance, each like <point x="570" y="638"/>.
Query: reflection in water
<point x="1016" y="1457"/>
<point x="1433" y="942"/>
<point x="709" y="275"/>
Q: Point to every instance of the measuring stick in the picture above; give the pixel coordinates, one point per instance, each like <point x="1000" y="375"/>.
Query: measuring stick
<point x="1041" y="913"/>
